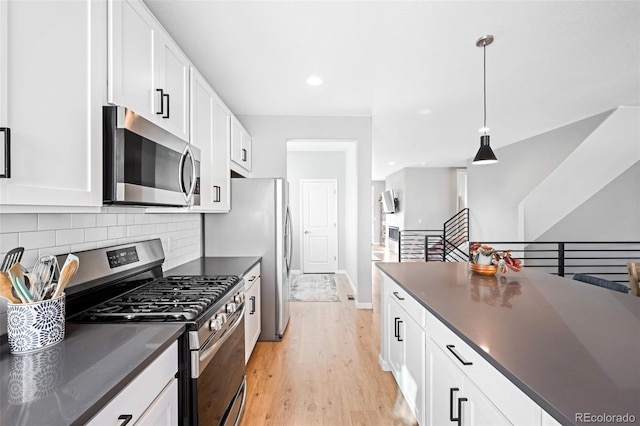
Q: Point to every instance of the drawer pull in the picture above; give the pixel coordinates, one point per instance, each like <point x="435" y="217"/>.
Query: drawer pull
<point x="455" y="353"/>
<point x="451" y="416"/>
<point x="253" y="305"/>
<point x="252" y="279"/>
<point x="399" y="339"/>
<point x="126" y="418"/>
<point x="395" y="293"/>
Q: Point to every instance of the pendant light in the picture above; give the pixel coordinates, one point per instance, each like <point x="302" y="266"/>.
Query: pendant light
<point x="485" y="154"/>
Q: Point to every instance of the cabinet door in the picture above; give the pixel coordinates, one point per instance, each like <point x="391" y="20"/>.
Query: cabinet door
<point x="445" y="388"/>
<point x="252" y="317"/>
<point x="414" y="366"/>
<point x="132" y="70"/>
<point x="246" y="154"/>
<point x="164" y="409"/>
<point x="236" y="140"/>
<point x="53" y="62"/>
<point x="396" y="329"/>
<point x="221" y="181"/>
<point x="172" y="72"/>
<point x="478" y="410"/>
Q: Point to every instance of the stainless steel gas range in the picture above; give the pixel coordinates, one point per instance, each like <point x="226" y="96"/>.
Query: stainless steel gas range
<point x="125" y="284"/>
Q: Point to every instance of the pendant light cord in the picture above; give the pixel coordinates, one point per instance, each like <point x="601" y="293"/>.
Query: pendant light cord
<point x="484" y="72"/>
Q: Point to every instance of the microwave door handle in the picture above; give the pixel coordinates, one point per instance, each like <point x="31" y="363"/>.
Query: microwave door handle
<point x="192" y="188"/>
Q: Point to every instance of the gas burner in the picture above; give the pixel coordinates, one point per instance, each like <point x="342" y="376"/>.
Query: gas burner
<point x="175" y="298"/>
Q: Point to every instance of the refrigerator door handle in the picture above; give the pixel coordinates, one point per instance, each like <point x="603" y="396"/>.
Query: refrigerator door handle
<point x="289" y="240"/>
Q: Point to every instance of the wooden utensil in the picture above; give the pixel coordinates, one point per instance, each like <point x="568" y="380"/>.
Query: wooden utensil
<point x="17" y="278"/>
<point x="68" y="271"/>
<point x="5" y="288"/>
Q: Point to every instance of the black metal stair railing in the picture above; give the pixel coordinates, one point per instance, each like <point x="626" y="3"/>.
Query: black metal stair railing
<point x="456" y="235"/>
<point x="604" y="259"/>
<point x="415" y="245"/>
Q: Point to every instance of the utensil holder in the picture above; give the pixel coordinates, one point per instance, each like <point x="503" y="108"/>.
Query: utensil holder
<point x="35" y="326"/>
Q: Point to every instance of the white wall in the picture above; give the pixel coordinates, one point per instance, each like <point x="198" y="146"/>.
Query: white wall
<point x="613" y="214"/>
<point x="494" y="191"/>
<point x="62" y="233"/>
<point x="315" y="165"/>
<point x="377" y="186"/>
<point x="269" y="137"/>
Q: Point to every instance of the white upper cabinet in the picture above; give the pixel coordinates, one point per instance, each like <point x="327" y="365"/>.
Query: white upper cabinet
<point x="210" y="131"/>
<point x="240" y="147"/>
<point x="52" y="81"/>
<point x="147" y="73"/>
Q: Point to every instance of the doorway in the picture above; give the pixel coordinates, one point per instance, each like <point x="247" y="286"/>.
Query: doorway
<point x="319" y="211"/>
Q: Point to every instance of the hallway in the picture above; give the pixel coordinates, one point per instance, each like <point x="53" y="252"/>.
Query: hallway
<point x="325" y="371"/>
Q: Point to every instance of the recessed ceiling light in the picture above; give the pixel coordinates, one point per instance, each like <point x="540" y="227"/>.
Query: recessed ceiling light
<point x="392" y="163"/>
<point x="314" y="80"/>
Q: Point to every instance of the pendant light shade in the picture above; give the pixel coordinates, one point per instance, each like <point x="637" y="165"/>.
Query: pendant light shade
<point x="485" y="154"/>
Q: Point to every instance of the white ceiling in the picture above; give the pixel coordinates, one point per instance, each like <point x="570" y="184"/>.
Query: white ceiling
<point x="413" y="65"/>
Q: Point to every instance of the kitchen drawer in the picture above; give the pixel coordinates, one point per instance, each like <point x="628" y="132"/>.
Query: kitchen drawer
<point x="507" y="397"/>
<point x="251" y="277"/>
<point x="405" y="300"/>
<point x="141" y="392"/>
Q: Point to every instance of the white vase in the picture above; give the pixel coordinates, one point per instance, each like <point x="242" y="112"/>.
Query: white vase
<point x="484" y="260"/>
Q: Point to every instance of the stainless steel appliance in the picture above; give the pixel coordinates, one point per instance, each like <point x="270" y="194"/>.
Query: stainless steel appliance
<point x="259" y="224"/>
<point x="146" y="165"/>
<point x="125" y="283"/>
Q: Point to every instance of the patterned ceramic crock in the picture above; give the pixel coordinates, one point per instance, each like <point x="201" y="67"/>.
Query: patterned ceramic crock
<point x="35" y="326"/>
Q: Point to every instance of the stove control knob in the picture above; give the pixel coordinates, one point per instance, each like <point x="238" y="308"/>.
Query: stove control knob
<point x="231" y="308"/>
<point x="238" y="298"/>
<point x="215" y="324"/>
<point x="222" y="318"/>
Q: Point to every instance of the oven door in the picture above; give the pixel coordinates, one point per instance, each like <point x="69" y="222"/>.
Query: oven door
<point x="218" y="383"/>
<point x="144" y="164"/>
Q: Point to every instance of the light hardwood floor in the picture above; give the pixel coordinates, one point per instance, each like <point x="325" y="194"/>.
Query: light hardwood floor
<point x="325" y="371"/>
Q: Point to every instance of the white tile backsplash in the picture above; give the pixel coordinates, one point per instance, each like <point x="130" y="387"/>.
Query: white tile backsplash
<point x="14" y="222"/>
<point x="54" y="221"/>
<point x="42" y="234"/>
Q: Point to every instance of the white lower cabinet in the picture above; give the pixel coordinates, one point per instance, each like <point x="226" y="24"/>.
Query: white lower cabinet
<point x="405" y="339"/>
<point x="253" y="312"/>
<point x="453" y="398"/>
<point x="444" y="380"/>
<point x="151" y="398"/>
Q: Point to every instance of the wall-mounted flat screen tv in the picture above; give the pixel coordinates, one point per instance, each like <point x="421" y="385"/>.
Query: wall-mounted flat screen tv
<point x="388" y="202"/>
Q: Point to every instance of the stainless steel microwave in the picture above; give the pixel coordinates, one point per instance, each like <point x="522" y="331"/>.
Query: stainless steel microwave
<point x="146" y="165"/>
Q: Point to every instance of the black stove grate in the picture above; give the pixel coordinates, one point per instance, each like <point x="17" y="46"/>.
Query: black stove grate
<point x="174" y="298"/>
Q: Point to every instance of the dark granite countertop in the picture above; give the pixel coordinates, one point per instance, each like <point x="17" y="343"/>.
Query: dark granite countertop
<point x="68" y="383"/>
<point x="216" y="266"/>
<point x="571" y="347"/>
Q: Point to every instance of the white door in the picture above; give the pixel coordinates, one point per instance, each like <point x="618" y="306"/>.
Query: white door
<point x="319" y="226"/>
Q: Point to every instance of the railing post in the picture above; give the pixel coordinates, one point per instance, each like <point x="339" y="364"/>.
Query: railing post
<point x="426" y="248"/>
<point x="561" y="259"/>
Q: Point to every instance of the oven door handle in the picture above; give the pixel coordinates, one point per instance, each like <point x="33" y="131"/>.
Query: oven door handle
<point x="209" y="351"/>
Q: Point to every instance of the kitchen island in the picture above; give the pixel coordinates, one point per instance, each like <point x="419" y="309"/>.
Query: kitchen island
<point x="571" y="348"/>
<point x="70" y="382"/>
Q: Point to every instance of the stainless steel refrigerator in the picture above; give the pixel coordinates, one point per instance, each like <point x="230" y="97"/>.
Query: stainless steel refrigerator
<point x="259" y="224"/>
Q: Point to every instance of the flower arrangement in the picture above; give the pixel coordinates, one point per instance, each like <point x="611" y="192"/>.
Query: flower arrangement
<point x="485" y="255"/>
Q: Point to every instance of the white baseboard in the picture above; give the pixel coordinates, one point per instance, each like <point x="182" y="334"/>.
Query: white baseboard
<point x="367" y="305"/>
<point x="355" y="292"/>
<point x="383" y="364"/>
